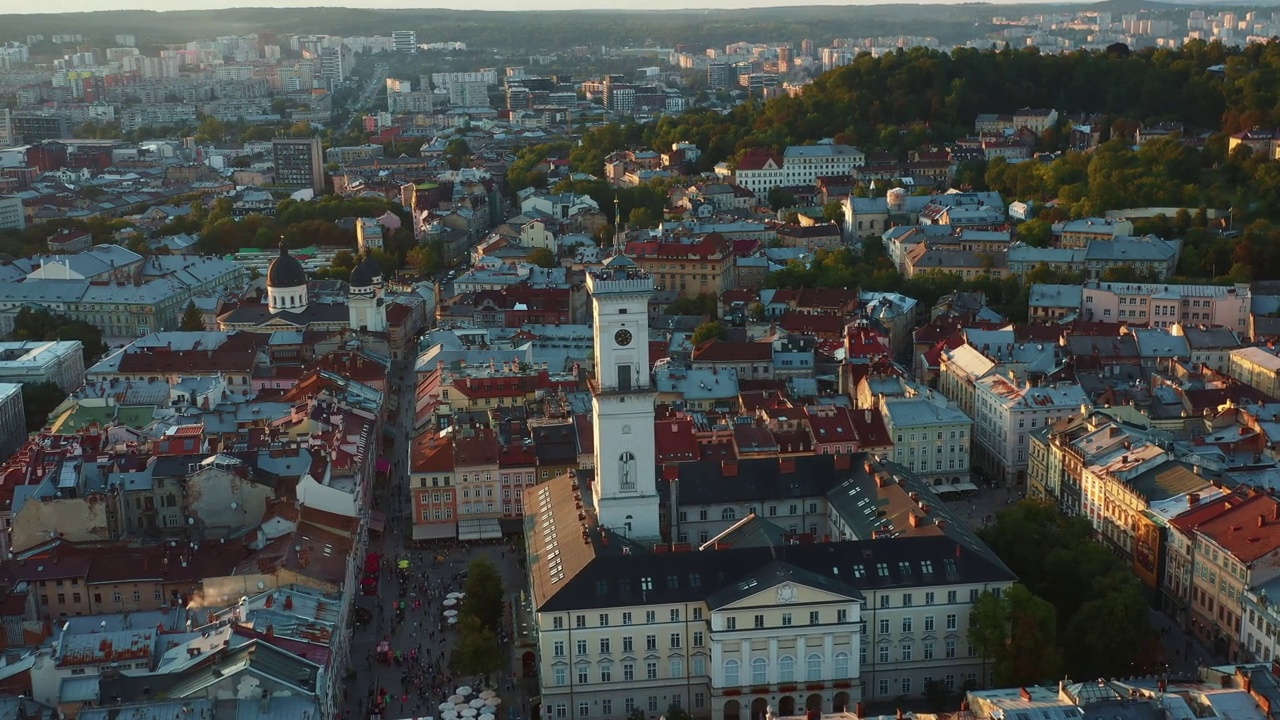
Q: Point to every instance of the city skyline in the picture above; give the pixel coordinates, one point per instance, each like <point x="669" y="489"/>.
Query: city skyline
<point x="76" y="6"/>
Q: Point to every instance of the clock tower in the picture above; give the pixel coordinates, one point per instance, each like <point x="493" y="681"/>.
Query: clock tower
<point x="625" y="492"/>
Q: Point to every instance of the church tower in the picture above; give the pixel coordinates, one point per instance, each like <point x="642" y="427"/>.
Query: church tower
<point x="626" y="489"/>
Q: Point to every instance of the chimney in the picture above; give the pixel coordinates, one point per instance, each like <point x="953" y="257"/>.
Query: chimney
<point x="1275" y="511"/>
<point x="883" y="480"/>
<point x="1024" y="694"/>
<point x="1194" y="498"/>
<point x="914" y="520"/>
<point x="869" y="467"/>
<point x="1262" y="520"/>
<point x="729" y="468"/>
<point x="843" y="462"/>
<point x="787" y="465"/>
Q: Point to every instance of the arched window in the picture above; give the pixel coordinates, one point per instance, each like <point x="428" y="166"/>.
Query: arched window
<point x="727" y="514"/>
<point x="841" y="669"/>
<point x="731" y="673"/>
<point x="813" y="669"/>
<point x="627" y="472"/>
<point x="786" y="669"/>
<point x="759" y="671"/>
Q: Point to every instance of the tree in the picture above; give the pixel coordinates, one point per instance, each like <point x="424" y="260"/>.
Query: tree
<point x="675" y="712"/>
<point x="706" y="304"/>
<point x="779" y="199"/>
<point x="988" y="628"/>
<point x="641" y="218"/>
<point x="478" y="651"/>
<point x="1035" y="233"/>
<point x="192" y="318"/>
<point x="40" y="324"/>
<point x="833" y="212"/>
<point x="38" y="400"/>
<point x="709" y="330"/>
<point x="484" y="595"/>
<point x="543" y="258"/>
<point x="937" y="695"/>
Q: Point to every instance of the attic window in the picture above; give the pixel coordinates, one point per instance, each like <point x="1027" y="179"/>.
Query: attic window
<point x="882" y="569"/>
<point x="695" y="580"/>
<point x="646" y="583"/>
<point x="622" y="311"/>
<point x="926" y="567"/>
<point x="859" y="571"/>
<point x="602" y="588"/>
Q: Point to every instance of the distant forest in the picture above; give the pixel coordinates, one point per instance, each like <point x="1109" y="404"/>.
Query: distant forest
<point x="538" y="31"/>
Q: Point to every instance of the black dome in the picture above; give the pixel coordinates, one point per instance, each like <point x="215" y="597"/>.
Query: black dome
<point x="366" y="273"/>
<point x="285" y="271"/>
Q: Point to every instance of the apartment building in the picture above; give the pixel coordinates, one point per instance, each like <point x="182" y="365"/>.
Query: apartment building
<point x="1007" y="411"/>
<point x="1237" y="549"/>
<point x="12" y="216"/>
<point x="1257" y="367"/>
<point x="299" y="163"/>
<point x="687" y="264"/>
<point x="930" y="437"/>
<point x="1161" y="305"/>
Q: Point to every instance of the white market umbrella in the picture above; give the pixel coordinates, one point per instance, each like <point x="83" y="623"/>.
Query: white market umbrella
<point x="450" y="714"/>
<point x="464" y="690"/>
<point x="461" y="706"/>
<point x="451" y="613"/>
<point x="488" y="694"/>
<point x="454" y="700"/>
<point x="450" y="602"/>
<point x="469" y="713"/>
<point x="446" y="706"/>
<point x="453" y="621"/>
<point x="493" y="702"/>
<point x="487" y="711"/>
<point x="453" y="596"/>
<point x="477" y="703"/>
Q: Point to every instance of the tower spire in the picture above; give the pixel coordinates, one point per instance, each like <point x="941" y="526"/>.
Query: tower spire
<point x="617" y="228"/>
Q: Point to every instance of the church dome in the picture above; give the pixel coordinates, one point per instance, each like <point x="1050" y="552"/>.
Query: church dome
<point x="285" y="271"/>
<point x="366" y="274"/>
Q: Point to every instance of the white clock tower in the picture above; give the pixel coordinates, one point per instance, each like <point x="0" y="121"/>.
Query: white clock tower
<point x="626" y="487"/>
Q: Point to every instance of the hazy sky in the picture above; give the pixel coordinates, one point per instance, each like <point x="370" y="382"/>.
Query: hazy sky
<point x="14" y="6"/>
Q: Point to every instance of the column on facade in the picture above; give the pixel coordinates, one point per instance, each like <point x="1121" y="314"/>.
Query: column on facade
<point x="773" y="661"/>
<point x="828" y="653"/>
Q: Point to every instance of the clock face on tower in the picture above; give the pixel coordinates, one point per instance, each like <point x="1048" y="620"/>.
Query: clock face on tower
<point x="622" y="337"/>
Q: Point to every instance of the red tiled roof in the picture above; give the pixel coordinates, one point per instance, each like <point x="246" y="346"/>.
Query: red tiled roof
<point x="429" y="453"/>
<point x="1249" y="530"/>
<point x="478" y="449"/>
<point x="716" y="350"/>
<point x="806" y="323"/>
<point x="675" y="441"/>
<point x="756" y="159"/>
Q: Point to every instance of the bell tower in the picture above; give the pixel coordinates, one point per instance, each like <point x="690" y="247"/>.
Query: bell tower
<point x="626" y="489"/>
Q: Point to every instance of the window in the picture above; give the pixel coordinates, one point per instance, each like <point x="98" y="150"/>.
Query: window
<point x="906" y="652"/>
<point x="677" y="668"/>
<point x="813" y="668"/>
<point x="949" y="649"/>
<point x="928" y="650"/>
<point x="604" y="619"/>
<point x="884" y="601"/>
<point x="558" y="648"/>
<point x="699" y="666"/>
<point x="675" y="640"/>
<point x="906" y="600"/>
<point x="786" y="619"/>
<point x="952" y="621"/>
<point x="627" y="646"/>
<point x="697" y="638"/>
<point x="628" y="672"/>
<point x="583" y="669"/>
<point x="653" y="703"/>
<point x="884" y="686"/>
<point x="650" y="616"/>
<point x="675" y="612"/>
<point x="759" y="671"/>
<point x="758" y="622"/>
<point x="906" y="625"/>
<point x="604" y="646"/>
<point x="651" y="670"/>
<point x="557" y="622"/>
<point x="813" y="617"/>
<point x="560" y="675"/>
<point x="884" y="626"/>
<point x="651" y="642"/>
<point x="582" y="647"/>
<point x="606" y="672"/>
<point x="731" y="673"/>
<point x="951" y="596"/>
<point x="584" y="709"/>
<point x="906" y="686"/>
<point x="726" y="514"/>
<point x="786" y="669"/>
<point x="841" y="666"/>
<point x="882" y="654"/>
<point x="626" y="618"/>
<point x="628" y="705"/>
<point x="606" y="706"/>
<point x="928" y="623"/>
<point x="731" y="623"/>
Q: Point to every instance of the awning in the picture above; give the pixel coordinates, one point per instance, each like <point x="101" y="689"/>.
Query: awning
<point x="434" y="531"/>
<point x="958" y="487"/>
<point x="377" y="521"/>
<point x="480" y="529"/>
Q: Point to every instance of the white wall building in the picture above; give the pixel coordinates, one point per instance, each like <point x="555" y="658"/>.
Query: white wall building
<point x="930" y="437"/>
<point x="1007" y="410"/>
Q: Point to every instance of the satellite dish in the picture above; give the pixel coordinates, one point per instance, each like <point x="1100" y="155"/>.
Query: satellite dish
<point x="234" y="506"/>
<point x="261" y="585"/>
<point x="191" y="521"/>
